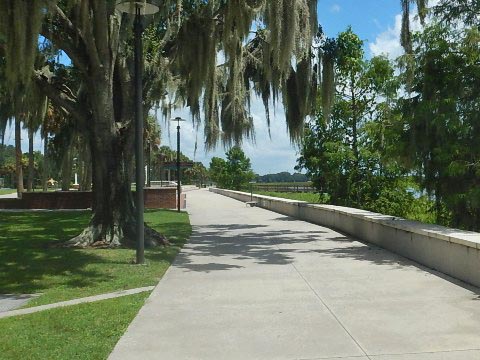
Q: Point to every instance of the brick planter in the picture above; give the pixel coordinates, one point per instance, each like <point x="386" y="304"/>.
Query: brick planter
<point x="155" y="198"/>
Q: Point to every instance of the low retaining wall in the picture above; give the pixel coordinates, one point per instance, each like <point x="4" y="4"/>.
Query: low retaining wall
<point x="450" y="251"/>
<point x="155" y="198"/>
<point x="163" y="198"/>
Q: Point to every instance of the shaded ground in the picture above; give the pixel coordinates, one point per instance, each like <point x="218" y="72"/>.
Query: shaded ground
<point x="29" y="264"/>
<point x="253" y="284"/>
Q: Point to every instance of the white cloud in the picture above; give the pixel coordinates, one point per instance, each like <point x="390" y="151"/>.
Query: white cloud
<point x="335" y="8"/>
<point x="388" y="42"/>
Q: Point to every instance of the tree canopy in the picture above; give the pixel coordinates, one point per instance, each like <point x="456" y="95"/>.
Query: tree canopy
<point x="401" y="144"/>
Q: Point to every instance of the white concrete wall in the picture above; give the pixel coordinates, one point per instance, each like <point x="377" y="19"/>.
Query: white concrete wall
<point x="450" y="251"/>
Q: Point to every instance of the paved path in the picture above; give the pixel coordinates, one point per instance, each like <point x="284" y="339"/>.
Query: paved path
<point x="253" y="284"/>
<point x="9" y="302"/>
<point x="9" y="196"/>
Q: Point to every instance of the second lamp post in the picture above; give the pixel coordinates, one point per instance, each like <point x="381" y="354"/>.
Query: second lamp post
<point x="179" y="177"/>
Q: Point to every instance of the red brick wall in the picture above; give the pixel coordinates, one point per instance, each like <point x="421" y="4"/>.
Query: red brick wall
<point x="161" y="198"/>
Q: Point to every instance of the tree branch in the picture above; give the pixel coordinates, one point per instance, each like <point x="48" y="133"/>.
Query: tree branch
<point x="72" y="44"/>
<point x="89" y="36"/>
<point x="101" y="29"/>
<point x="62" y="97"/>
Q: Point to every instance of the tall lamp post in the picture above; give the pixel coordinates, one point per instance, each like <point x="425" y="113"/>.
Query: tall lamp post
<point x="138" y="8"/>
<point x="179" y="187"/>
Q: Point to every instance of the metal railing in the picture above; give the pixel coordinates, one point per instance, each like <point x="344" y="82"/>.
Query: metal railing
<point x="301" y="188"/>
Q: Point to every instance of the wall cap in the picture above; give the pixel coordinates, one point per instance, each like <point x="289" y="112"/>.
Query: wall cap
<point x="461" y="237"/>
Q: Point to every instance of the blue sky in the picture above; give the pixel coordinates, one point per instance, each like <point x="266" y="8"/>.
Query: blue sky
<point x="377" y="22"/>
<point x="368" y="18"/>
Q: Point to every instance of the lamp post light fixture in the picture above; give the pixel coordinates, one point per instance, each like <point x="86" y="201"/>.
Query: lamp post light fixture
<point x="179" y="187"/>
<point x="138" y="8"/>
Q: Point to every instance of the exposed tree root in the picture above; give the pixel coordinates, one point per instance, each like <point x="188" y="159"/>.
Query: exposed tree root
<point x="154" y="238"/>
<point x="94" y="237"/>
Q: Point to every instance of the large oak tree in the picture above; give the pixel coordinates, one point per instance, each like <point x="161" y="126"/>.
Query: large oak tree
<point x="265" y="47"/>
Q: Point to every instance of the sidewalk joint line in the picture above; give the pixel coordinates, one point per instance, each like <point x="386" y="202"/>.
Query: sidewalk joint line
<point x="332" y="357"/>
<point x="84" y="300"/>
<point x="330" y="310"/>
<point x="426" y="352"/>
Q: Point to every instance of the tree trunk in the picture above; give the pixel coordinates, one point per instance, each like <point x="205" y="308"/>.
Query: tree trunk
<point x="149" y="164"/>
<point x="45" y="164"/>
<point x="85" y="173"/>
<point x="31" y="164"/>
<point x="67" y="168"/>
<point x="113" y="219"/>
<point x="356" y="156"/>
<point x="2" y="151"/>
<point x="18" y="157"/>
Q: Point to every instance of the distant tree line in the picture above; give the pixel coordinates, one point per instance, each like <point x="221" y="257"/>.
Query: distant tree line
<point x="281" y="177"/>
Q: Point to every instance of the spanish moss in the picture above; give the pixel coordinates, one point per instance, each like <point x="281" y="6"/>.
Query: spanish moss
<point x="405" y="34"/>
<point x="20" y="23"/>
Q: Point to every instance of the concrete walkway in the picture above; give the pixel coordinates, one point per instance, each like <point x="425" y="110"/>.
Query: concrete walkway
<point x="9" y="196"/>
<point x="253" y="284"/>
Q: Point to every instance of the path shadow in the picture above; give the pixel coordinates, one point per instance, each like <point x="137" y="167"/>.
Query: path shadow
<point x="16" y="296"/>
<point x="380" y="256"/>
<point x="185" y="263"/>
<point x="227" y="242"/>
<point x="231" y="227"/>
<point x="285" y="218"/>
<point x="263" y="246"/>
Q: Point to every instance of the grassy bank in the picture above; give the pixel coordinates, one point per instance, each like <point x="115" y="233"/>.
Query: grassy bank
<point x="86" y="331"/>
<point x="7" y="191"/>
<point x="28" y="264"/>
<point x="308" y="197"/>
<point x="420" y="209"/>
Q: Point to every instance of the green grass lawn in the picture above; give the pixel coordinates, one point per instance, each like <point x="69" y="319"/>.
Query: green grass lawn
<point x="29" y="265"/>
<point x="7" y="191"/>
<point x="85" y="331"/>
